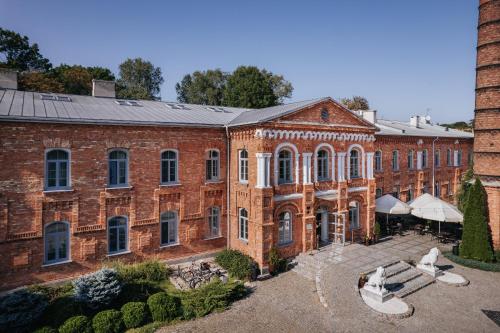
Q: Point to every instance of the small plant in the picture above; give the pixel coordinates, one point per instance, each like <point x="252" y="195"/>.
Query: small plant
<point x="108" y="321"/>
<point x="20" y="309"/>
<point x="97" y="289"/>
<point x="135" y="314"/>
<point x="46" y="329"/>
<point x="239" y="265"/>
<point x="376" y="231"/>
<point x="362" y="280"/>
<point x="367" y="239"/>
<point x="278" y="263"/>
<point x="164" y="307"/>
<point x="150" y="270"/>
<point x="76" y="324"/>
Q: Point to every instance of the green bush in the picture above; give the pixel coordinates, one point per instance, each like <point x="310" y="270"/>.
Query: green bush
<point x="97" y="289"/>
<point x="138" y="291"/>
<point x="485" y="266"/>
<point x="20" y="310"/>
<point x="76" y="324"/>
<point x="46" y="329"/>
<point x="108" y="321"/>
<point x="164" y="307"/>
<point x="149" y="270"/>
<point x="52" y="292"/>
<point x="238" y="265"/>
<point x="61" y="309"/>
<point x="376" y="229"/>
<point x="277" y="263"/>
<point x="135" y="314"/>
<point x="214" y="296"/>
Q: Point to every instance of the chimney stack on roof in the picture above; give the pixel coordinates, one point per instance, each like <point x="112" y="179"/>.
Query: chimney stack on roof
<point x="8" y="79"/>
<point x="102" y="88"/>
<point x="368" y="115"/>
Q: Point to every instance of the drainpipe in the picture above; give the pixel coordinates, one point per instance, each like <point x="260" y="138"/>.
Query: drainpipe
<point x="434" y="167"/>
<point x="228" y="187"/>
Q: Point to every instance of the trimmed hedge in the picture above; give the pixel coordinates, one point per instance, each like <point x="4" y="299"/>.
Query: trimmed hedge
<point x="45" y="329"/>
<point x="149" y="270"/>
<point x="239" y="265"/>
<point x="164" y="307"/>
<point x="76" y="324"/>
<point x="471" y="263"/>
<point x="20" y="310"/>
<point x="135" y="314"/>
<point x="108" y="321"/>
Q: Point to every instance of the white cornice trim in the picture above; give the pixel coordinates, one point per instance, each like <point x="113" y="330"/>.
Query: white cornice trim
<point x="312" y="135"/>
<point x="357" y="189"/>
<point x="288" y="197"/>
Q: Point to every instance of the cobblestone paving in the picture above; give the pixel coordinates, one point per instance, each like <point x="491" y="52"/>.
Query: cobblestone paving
<point x="290" y="302"/>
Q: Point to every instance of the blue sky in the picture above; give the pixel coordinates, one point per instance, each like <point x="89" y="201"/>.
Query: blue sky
<point x="405" y="56"/>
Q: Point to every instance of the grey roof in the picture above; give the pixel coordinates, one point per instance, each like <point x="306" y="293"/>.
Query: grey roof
<point x="393" y="127"/>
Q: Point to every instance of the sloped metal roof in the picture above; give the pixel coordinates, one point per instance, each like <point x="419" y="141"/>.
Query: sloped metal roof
<point x="399" y="128"/>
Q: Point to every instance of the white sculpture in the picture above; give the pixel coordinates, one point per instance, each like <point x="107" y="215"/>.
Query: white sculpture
<point x="431" y="258"/>
<point x="377" y="280"/>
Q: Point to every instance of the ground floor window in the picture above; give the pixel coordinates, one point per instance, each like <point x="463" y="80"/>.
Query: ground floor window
<point x="354" y="214"/>
<point x="117" y="234"/>
<point x="243" y="224"/>
<point x="214" y="221"/>
<point x="169" y="225"/>
<point x="285" y="228"/>
<point x="56" y="242"/>
<point x="378" y="193"/>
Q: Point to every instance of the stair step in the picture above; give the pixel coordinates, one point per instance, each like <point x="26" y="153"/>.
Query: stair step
<point x="395" y="269"/>
<point x="414" y="285"/>
<point x="404" y="276"/>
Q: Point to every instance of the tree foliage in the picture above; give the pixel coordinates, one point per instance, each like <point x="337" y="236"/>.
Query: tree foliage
<point x="17" y="53"/>
<point x="20" y="309"/>
<point x="355" y="103"/>
<point x="247" y="87"/>
<point x="139" y="79"/>
<point x="97" y="289"/>
<point x="464" y="187"/>
<point x="476" y="239"/>
<point x="460" y="125"/>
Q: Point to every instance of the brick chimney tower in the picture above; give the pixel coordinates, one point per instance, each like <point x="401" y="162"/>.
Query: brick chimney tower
<point x="487" y="110"/>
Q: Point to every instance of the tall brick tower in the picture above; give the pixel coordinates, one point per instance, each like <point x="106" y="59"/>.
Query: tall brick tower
<point x="487" y="111"/>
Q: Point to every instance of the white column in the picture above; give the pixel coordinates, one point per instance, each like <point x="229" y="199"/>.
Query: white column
<point x="419" y="160"/>
<point x="363" y="166"/>
<point x="333" y="167"/>
<point x="267" y="168"/>
<point x="306" y="168"/>
<point x="369" y="165"/>
<point x="297" y="169"/>
<point x="315" y="167"/>
<point x="341" y="167"/>
<point x="263" y="169"/>
<point x="455" y="158"/>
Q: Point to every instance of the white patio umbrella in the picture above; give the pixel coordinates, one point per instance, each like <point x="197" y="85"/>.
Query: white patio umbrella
<point x="390" y="205"/>
<point x="431" y="208"/>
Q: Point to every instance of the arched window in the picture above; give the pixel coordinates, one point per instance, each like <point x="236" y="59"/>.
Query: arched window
<point x="285" y="228"/>
<point x="437" y="158"/>
<point x="395" y="160"/>
<point x="117" y="234"/>
<point x="214" y="221"/>
<point x="378" y="160"/>
<point x="243" y="166"/>
<point x="243" y="224"/>
<point x="424" y="158"/>
<point x="354" y="215"/>
<point x="410" y="159"/>
<point x="169" y="228"/>
<point x="354" y="163"/>
<point x="323" y="165"/>
<point x="118" y="168"/>
<point x="449" y="159"/>
<point x="169" y="164"/>
<point x="56" y="238"/>
<point x="459" y="157"/>
<point x="213" y="165"/>
<point x="57" y="170"/>
<point x="284" y="167"/>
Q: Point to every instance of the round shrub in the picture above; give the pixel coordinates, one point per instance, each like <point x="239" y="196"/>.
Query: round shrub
<point x="60" y="309"/>
<point x="76" y="324"/>
<point x="164" y="307"/>
<point x="45" y="329"/>
<point x="108" y="321"/>
<point x="20" y="309"/>
<point x="98" y="289"/>
<point x="239" y="265"/>
<point x="135" y="314"/>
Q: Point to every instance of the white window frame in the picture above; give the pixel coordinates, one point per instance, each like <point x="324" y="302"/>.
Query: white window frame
<point x="355" y="173"/>
<point x="56" y="235"/>
<point x="378" y="161"/>
<point x="214" y="221"/>
<point x="354" y="211"/>
<point x="285" y="232"/>
<point x="169" y="161"/>
<point x="395" y="160"/>
<point x="323" y="163"/>
<point x="172" y="224"/>
<point x="288" y="176"/>
<point x="212" y="166"/>
<point x="449" y="157"/>
<point x="58" y="162"/>
<point x="410" y="157"/>
<point x="459" y="157"/>
<point x="118" y="173"/>
<point x="118" y="251"/>
<point x="243" y="166"/>
<point x="243" y="224"/>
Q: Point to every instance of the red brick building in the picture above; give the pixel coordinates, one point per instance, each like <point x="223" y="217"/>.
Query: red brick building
<point x="86" y="179"/>
<point x="487" y="115"/>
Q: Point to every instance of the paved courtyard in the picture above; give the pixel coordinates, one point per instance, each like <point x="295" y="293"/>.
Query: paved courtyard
<point x="291" y="302"/>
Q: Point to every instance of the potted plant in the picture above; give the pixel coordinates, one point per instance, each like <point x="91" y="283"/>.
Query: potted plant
<point x="376" y="232"/>
<point x="368" y="240"/>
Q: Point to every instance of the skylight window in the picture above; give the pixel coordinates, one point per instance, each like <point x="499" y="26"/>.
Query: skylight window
<point x="52" y="97"/>
<point x="63" y="98"/>
<point x="127" y="103"/>
<point x="176" y="106"/>
<point x="216" y="109"/>
<point x="48" y="97"/>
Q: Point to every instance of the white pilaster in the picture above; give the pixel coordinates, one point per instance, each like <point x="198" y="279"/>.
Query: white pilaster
<point x="419" y="160"/>
<point x="341" y="167"/>
<point x="333" y="167"/>
<point x="363" y="166"/>
<point x="369" y="165"/>
<point x="297" y="156"/>
<point x="306" y="168"/>
<point x="263" y="170"/>
<point x="455" y="158"/>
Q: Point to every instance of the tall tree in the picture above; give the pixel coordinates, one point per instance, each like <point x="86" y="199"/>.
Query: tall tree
<point x="465" y="186"/>
<point x="40" y="82"/>
<point x="475" y="238"/>
<point x="282" y="88"/>
<point x="202" y="87"/>
<point x="139" y="79"/>
<point x="17" y="53"/>
<point x="248" y="87"/>
<point x="355" y="103"/>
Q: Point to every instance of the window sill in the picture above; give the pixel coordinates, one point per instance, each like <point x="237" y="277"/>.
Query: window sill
<point x="212" y="237"/>
<point x="213" y="182"/>
<point x="285" y="244"/>
<point x="243" y="182"/>
<point x="243" y="241"/>
<point x="170" y="184"/>
<point x="119" y="188"/>
<point x="58" y="191"/>
<point x="169" y="245"/>
<point x="58" y="263"/>
<point x="118" y="253"/>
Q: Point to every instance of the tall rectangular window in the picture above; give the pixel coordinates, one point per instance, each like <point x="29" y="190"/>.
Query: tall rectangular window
<point x="169" y="228"/>
<point x="214" y="221"/>
<point x="117" y="234"/>
<point x="169" y="167"/>
<point x="57" y="169"/>
<point x="118" y="168"/>
<point x="378" y="160"/>
<point x="395" y="160"/>
<point x="410" y="162"/>
<point x="437" y="158"/>
<point x="243" y="166"/>
<point x="212" y="165"/>
<point x="243" y="224"/>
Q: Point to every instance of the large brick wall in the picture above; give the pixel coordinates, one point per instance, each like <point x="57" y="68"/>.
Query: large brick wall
<point x="487" y="110"/>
